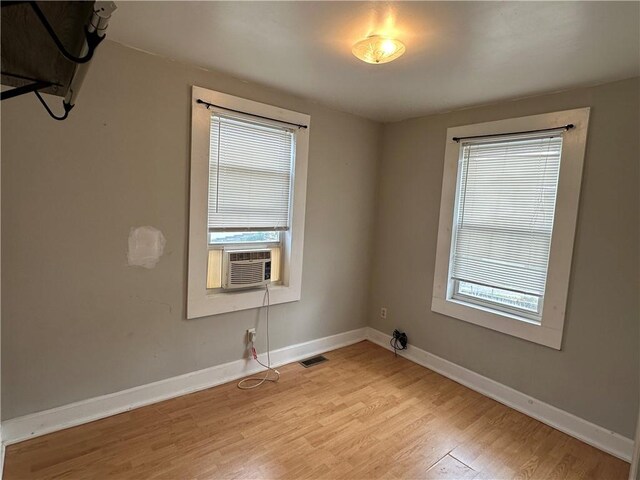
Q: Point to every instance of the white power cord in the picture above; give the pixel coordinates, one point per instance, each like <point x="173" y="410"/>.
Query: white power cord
<point x="242" y="384"/>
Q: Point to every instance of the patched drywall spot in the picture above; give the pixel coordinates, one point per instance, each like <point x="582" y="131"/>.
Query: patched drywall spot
<point x="146" y="245"/>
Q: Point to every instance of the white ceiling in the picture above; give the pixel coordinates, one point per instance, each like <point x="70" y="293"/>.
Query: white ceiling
<point x="458" y="53"/>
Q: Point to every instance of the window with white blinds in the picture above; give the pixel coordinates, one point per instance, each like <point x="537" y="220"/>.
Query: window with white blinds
<point x="250" y="175"/>
<point x="508" y="215"/>
<point x="503" y="220"/>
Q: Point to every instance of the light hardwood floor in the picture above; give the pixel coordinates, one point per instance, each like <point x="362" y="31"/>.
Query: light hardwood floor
<point x="363" y="414"/>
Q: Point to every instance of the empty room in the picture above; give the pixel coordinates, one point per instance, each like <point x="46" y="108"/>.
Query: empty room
<point x="320" y="240"/>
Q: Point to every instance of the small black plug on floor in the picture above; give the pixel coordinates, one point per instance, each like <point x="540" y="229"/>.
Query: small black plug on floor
<point x="399" y="341"/>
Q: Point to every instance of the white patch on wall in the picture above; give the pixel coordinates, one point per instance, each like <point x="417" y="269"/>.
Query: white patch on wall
<point x="146" y="245"/>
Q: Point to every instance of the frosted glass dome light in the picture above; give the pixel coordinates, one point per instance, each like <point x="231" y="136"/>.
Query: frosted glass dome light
<point x="378" y="49"/>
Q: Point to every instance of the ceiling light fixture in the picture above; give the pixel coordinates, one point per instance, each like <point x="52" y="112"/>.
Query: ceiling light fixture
<point x="378" y="49"/>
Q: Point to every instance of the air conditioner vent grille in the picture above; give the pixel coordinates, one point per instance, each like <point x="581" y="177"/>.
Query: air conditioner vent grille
<point x="246" y="273"/>
<point x="243" y="256"/>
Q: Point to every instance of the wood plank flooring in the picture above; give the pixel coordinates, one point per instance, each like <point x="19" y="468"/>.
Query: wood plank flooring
<point x="363" y="414"/>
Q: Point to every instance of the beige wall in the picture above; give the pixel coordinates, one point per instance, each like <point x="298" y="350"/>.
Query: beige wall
<point x="595" y="376"/>
<point x="77" y="321"/>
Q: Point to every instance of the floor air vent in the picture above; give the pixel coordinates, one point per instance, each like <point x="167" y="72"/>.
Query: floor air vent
<point x="310" y="362"/>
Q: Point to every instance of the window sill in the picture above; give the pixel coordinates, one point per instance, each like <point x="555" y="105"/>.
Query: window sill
<point x="501" y="322"/>
<point x="214" y="303"/>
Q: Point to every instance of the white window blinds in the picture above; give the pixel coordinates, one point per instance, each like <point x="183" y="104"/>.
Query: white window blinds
<point x="250" y="172"/>
<point x="505" y="204"/>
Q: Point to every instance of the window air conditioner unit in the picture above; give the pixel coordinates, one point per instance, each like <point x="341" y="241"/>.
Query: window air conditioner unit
<point x="246" y="268"/>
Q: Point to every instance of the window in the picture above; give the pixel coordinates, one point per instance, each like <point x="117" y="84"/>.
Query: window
<point x="248" y="182"/>
<point x="249" y="192"/>
<point x="505" y="202"/>
<point x="507" y="222"/>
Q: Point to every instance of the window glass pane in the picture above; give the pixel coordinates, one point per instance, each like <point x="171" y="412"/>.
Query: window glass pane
<point x="508" y="298"/>
<point x="243" y="237"/>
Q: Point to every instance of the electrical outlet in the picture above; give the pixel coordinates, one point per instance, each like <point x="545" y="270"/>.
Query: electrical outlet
<point x="383" y="312"/>
<point x="251" y="335"/>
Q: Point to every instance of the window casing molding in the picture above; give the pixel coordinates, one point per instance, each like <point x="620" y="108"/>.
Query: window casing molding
<point x="548" y="331"/>
<point x="200" y="301"/>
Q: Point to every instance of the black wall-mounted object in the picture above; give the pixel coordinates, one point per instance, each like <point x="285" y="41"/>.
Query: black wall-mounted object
<point x="47" y="47"/>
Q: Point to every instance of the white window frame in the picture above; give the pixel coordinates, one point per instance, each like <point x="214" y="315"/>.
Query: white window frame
<point x="548" y="331"/>
<point x="200" y="301"/>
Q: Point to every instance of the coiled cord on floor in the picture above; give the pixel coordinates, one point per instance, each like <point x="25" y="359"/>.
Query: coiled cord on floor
<point x="398" y="341"/>
<point x="244" y="383"/>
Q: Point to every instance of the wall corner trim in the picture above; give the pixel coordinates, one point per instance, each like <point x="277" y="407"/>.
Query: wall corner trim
<point x="585" y="431"/>
<point x="2" y="450"/>
<point x="85" y="411"/>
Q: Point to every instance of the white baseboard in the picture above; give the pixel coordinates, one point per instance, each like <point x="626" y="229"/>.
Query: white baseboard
<point x="594" y="435"/>
<point x="47" y="421"/>
<point x="40" y="423"/>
